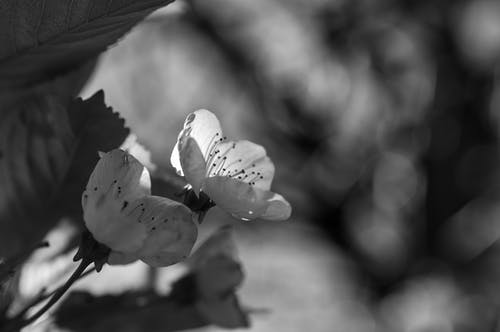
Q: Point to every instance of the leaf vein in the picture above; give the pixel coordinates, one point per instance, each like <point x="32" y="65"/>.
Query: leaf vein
<point x="150" y="6"/>
<point x="39" y="24"/>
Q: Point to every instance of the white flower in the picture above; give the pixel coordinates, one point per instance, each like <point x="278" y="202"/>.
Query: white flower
<point x="120" y="213"/>
<point x="236" y="175"/>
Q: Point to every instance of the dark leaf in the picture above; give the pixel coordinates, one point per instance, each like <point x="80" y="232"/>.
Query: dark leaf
<point x="41" y="39"/>
<point x="47" y="153"/>
<point x="36" y="145"/>
<point x="96" y="128"/>
<point x="65" y="86"/>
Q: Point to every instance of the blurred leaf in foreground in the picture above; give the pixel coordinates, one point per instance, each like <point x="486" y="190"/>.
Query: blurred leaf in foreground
<point x="41" y="39"/>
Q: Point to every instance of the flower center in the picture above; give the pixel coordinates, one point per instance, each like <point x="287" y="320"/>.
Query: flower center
<point x="221" y="161"/>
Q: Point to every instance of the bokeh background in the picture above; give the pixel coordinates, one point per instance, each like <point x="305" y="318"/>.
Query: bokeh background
<point x="382" y="118"/>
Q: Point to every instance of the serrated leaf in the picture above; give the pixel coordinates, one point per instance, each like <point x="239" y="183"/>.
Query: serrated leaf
<point x="47" y="152"/>
<point x="43" y="38"/>
<point x="97" y="128"/>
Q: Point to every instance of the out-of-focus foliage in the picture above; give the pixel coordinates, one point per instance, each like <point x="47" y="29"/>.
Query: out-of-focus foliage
<point x="44" y="38"/>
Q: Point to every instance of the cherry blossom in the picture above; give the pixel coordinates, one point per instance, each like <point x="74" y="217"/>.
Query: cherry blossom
<point x="121" y="213"/>
<point x="235" y="175"/>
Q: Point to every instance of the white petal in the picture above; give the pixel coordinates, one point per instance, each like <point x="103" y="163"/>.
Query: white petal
<point x="220" y="243"/>
<point x="242" y="160"/>
<point x="278" y="209"/>
<point x="134" y="225"/>
<point x="243" y="200"/>
<point x="175" y="160"/>
<point x="193" y="164"/>
<point x="171" y="232"/>
<point x="204" y="127"/>
<point x="116" y="182"/>
<point x="129" y="173"/>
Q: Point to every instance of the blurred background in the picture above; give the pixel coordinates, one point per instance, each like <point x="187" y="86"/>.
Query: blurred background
<point x="382" y="118"/>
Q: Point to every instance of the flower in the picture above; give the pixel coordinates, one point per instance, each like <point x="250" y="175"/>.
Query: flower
<point x="236" y="175"/>
<point x="121" y="213"/>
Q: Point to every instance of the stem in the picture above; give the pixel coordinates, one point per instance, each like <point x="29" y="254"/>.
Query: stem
<point x="57" y="295"/>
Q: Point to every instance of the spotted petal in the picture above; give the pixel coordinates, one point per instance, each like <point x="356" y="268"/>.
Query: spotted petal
<point x="117" y="180"/>
<point x="171" y="232"/>
<point x="121" y="214"/>
<point x="202" y="126"/>
<point x="245" y="201"/>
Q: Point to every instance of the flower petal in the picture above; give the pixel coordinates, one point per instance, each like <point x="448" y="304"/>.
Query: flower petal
<point x="116" y="182"/>
<point x="204" y="127"/>
<point x="242" y="160"/>
<point x="278" y="209"/>
<point x="193" y="164"/>
<point x="245" y="201"/>
<point x="123" y="170"/>
<point x="171" y="232"/>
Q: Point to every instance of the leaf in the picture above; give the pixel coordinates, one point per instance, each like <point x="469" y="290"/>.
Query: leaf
<point x="47" y="151"/>
<point x="65" y="86"/>
<point x="43" y="38"/>
<point x="133" y="311"/>
<point x="214" y="275"/>
<point x="35" y="147"/>
<point x="97" y="128"/>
